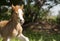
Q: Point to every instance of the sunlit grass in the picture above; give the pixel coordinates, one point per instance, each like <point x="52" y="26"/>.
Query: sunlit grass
<point x="43" y="36"/>
<point x="39" y="37"/>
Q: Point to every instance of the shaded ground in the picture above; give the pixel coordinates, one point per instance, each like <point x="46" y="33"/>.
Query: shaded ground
<point x="42" y="27"/>
<point x="42" y="31"/>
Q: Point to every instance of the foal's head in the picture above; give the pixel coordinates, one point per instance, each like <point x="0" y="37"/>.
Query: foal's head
<point x="19" y="11"/>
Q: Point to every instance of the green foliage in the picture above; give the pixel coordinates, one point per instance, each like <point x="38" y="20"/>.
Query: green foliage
<point x="5" y="14"/>
<point x="58" y="20"/>
<point x="31" y="13"/>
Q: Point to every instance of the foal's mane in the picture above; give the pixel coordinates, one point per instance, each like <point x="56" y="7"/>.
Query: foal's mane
<point x="14" y="14"/>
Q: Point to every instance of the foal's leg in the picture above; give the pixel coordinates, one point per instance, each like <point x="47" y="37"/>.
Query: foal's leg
<point x="23" y="38"/>
<point x="6" y="39"/>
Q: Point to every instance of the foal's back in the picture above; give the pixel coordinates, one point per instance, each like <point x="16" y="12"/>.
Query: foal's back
<point x="3" y="23"/>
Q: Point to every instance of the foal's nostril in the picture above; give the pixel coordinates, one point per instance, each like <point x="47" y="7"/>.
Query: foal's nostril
<point x="21" y="21"/>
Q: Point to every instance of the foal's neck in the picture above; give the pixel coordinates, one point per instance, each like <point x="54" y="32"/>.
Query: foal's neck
<point x="13" y="22"/>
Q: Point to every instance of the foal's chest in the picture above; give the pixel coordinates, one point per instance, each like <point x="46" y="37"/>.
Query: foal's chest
<point x="17" y="30"/>
<point x="10" y="31"/>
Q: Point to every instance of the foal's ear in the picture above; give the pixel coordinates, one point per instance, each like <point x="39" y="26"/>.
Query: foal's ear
<point x="13" y="7"/>
<point x="22" y="6"/>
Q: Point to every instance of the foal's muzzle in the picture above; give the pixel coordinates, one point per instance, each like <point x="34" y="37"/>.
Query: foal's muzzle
<point x="21" y="21"/>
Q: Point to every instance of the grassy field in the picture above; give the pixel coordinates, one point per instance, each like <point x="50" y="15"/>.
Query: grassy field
<point x="40" y="37"/>
<point x="43" y="36"/>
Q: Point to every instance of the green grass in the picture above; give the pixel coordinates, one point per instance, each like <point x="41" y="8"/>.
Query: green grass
<point x="40" y="37"/>
<point x="43" y="36"/>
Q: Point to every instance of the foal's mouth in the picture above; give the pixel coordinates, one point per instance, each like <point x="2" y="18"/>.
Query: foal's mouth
<point x="20" y="21"/>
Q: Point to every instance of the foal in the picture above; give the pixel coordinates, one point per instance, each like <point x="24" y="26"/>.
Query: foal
<point x="13" y="28"/>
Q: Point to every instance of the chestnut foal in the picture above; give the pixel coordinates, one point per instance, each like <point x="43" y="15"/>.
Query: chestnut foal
<point x="13" y="28"/>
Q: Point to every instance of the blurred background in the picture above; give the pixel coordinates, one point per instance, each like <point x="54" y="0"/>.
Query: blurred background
<point x="42" y="18"/>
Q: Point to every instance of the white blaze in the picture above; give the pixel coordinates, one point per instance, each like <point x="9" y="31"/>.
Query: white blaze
<point x="20" y="12"/>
